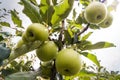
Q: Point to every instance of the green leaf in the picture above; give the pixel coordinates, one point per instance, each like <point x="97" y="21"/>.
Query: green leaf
<point x="22" y="76"/>
<point x="86" y="36"/>
<point x="91" y="57"/>
<point x="85" y="73"/>
<point x="80" y="19"/>
<point x="82" y="44"/>
<point x="5" y="34"/>
<point x="82" y="73"/>
<point x="84" y="2"/>
<point x="99" y="45"/>
<point x="62" y="10"/>
<point x="31" y="11"/>
<point x="93" y="26"/>
<point x="1" y="62"/>
<point x="4" y="24"/>
<point x="16" y="20"/>
<point x="4" y="52"/>
<point x="1" y="37"/>
<point x="68" y="38"/>
<point x="74" y="13"/>
<point x="46" y="11"/>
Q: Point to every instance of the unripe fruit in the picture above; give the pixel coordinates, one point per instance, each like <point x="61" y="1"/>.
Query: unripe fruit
<point x="24" y="37"/>
<point x="47" y="51"/>
<point x="95" y="12"/>
<point x="36" y="31"/>
<point x="68" y="62"/>
<point x="20" y="43"/>
<point x="107" y="22"/>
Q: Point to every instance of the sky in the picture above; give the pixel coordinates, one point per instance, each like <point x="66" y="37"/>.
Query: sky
<point x="109" y="57"/>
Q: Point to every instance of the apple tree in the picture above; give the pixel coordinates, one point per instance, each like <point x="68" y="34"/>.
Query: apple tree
<point x="56" y="40"/>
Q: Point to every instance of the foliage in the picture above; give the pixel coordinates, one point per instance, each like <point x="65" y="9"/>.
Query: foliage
<point x="53" y="15"/>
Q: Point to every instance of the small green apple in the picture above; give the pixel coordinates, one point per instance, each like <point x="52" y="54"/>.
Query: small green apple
<point x="95" y="12"/>
<point x="107" y="22"/>
<point x="36" y="31"/>
<point x="20" y="43"/>
<point x="68" y="62"/>
<point x="47" y="51"/>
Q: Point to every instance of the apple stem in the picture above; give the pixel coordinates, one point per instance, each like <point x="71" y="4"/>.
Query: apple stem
<point x="84" y="29"/>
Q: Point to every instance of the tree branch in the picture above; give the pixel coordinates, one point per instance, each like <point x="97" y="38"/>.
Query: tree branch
<point x="84" y="29"/>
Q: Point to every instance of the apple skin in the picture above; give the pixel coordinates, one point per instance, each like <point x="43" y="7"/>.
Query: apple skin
<point x="36" y="31"/>
<point x="68" y="62"/>
<point x="95" y="12"/>
<point x="47" y="51"/>
<point x="107" y="22"/>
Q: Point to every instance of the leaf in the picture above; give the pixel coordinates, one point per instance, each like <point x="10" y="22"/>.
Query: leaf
<point x="99" y="45"/>
<point x="92" y="57"/>
<point x="85" y="2"/>
<point x="16" y="20"/>
<point x="31" y="11"/>
<point x="22" y="76"/>
<point x="85" y="73"/>
<point x="82" y="73"/>
<point x="5" y="34"/>
<point x="4" y="52"/>
<point x="93" y="26"/>
<point x="62" y="10"/>
<point x="74" y="13"/>
<point x="82" y="44"/>
<point x="1" y="37"/>
<point x="24" y="49"/>
<point x="86" y="36"/>
<point x="4" y="24"/>
<point x="80" y="19"/>
<point x="68" y="38"/>
<point x="46" y="11"/>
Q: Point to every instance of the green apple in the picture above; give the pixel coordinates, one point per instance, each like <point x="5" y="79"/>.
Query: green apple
<point x="95" y="12"/>
<point x="47" y="51"/>
<point x="107" y="22"/>
<point x="36" y="31"/>
<point x="20" y="43"/>
<point x="24" y="38"/>
<point x="68" y="62"/>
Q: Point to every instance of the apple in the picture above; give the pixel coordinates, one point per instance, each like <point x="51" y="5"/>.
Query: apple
<point x="36" y="31"/>
<point x="47" y="51"/>
<point x="24" y="38"/>
<point x="20" y="43"/>
<point x="95" y="12"/>
<point x="107" y="22"/>
<point x="68" y="62"/>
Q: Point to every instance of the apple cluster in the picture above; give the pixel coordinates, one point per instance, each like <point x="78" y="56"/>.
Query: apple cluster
<point x="67" y="61"/>
<point x="97" y="13"/>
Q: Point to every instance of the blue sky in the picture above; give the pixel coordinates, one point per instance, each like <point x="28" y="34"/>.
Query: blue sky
<point x="110" y="57"/>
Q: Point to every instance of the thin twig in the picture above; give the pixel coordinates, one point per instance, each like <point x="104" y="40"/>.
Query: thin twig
<point x="84" y="29"/>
